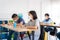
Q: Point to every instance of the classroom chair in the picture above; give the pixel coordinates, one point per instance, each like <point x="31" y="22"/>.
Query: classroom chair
<point x="3" y="31"/>
<point x="58" y="35"/>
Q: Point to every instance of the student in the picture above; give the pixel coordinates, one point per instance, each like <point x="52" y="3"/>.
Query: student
<point x="50" y="30"/>
<point x="34" y="22"/>
<point x="20" y="22"/>
<point x="48" y="20"/>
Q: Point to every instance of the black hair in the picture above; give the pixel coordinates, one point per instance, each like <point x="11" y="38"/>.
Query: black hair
<point x="14" y="15"/>
<point x="46" y="14"/>
<point x="33" y="13"/>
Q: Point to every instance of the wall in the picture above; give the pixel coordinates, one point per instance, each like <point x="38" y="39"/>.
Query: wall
<point x="8" y="7"/>
<point x="53" y="8"/>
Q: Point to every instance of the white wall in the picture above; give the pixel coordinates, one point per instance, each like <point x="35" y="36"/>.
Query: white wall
<point x="56" y="10"/>
<point x="35" y="5"/>
<point x="46" y="7"/>
<point x="53" y="8"/>
<point x="8" y="7"/>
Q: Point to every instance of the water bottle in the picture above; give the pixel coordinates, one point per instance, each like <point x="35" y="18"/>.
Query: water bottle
<point x="14" y="24"/>
<point x="52" y="23"/>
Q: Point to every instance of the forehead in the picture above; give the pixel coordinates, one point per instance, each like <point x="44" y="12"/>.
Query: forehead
<point x="15" y="17"/>
<point x="46" y="16"/>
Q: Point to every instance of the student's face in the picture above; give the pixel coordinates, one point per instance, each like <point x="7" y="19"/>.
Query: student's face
<point x="15" y="19"/>
<point x="30" y="16"/>
<point x="46" y="17"/>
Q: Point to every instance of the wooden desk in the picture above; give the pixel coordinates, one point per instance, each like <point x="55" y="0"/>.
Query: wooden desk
<point x="18" y="28"/>
<point x="42" y="36"/>
<point x="50" y="25"/>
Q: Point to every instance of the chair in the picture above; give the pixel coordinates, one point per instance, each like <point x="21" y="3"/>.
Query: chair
<point x="58" y="35"/>
<point x="3" y="31"/>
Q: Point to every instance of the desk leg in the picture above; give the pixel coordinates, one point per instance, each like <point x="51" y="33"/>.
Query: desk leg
<point x="46" y="36"/>
<point x="42" y="33"/>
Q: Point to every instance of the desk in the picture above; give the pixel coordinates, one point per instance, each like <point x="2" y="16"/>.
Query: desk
<point x="18" y="28"/>
<point x="42" y="30"/>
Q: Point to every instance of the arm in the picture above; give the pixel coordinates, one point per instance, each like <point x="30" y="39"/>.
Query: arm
<point x="31" y="27"/>
<point x="20" y="24"/>
<point x="36" y="25"/>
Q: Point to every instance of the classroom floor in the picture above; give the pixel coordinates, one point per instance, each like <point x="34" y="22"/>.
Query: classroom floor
<point x="49" y="38"/>
<point x="25" y="38"/>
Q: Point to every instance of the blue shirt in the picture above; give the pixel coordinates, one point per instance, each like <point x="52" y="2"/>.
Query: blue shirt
<point x="21" y="20"/>
<point x="48" y="20"/>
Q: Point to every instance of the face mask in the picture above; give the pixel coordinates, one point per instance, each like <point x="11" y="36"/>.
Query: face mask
<point x="15" y="20"/>
<point x="30" y="18"/>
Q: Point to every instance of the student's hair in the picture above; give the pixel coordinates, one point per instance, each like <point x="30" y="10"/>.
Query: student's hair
<point x="33" y="13"/>
<point x="14" y="15"/>
<point x="46" y="14"/>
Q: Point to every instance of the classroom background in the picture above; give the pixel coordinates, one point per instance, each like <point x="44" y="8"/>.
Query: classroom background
<point x="8" y="7"/>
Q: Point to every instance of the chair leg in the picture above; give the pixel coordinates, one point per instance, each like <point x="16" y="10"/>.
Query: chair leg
<point x="29" y="35"/>
<point x="21" y="38"/>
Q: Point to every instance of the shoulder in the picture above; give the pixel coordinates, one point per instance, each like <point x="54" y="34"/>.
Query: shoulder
<point x="50" y="19"/>
<point x="37" y="21"/>
<point x="21" y="19"/>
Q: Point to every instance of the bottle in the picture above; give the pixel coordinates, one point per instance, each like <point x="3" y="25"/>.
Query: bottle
<point x="52" y="23"/>
<point x="15" y="24"/>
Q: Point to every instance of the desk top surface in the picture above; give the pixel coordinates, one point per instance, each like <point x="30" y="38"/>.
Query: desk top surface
<point x="18" y="28"/>
<point x="50" y="25"/>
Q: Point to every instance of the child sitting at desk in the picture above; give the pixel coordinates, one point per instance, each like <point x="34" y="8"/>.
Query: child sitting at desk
<point x="47" y="20"/>
<point x="20" y="22"/>
<point x="34" y="22"/>
<point x="50" y="30"/>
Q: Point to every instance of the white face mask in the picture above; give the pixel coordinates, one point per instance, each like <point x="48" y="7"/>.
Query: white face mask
<point x="30" y="18"/>
<point x="15" y="20"/>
